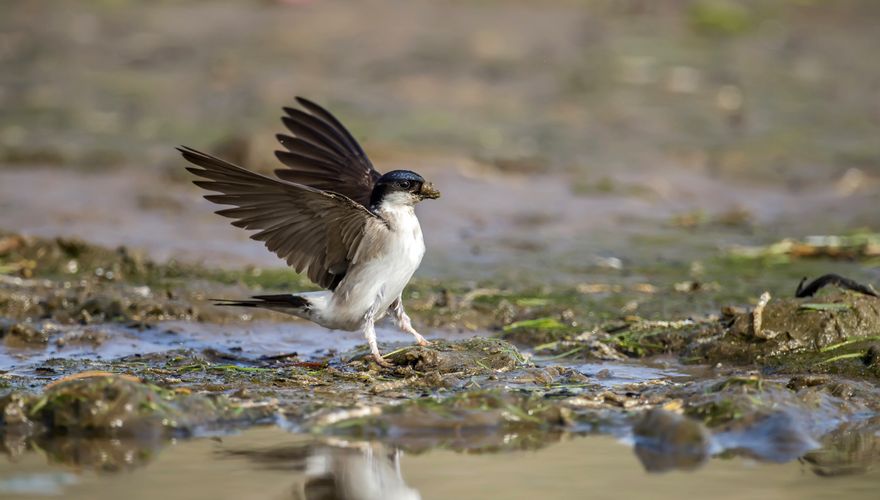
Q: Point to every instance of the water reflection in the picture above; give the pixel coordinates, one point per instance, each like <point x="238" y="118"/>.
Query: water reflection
<point x="853" y="448"/>
<point x="666" y="441"/>
<point x="359" y="471"/>
<point x="308" y="467"/>
<point x="354" y="474"/>
<point x="777" y="437"/>
<point x="99" y="454"/>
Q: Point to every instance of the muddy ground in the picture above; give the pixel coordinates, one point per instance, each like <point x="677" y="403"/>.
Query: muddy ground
<point x="622" y="183"/>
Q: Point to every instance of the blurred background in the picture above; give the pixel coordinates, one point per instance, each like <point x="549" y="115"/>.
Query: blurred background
<point x="563" y="133"/>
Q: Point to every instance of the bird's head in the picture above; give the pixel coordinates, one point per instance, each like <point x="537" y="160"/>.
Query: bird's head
<point x="402" y="187"/>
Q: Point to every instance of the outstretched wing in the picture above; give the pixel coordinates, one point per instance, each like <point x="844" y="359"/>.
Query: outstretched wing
<point x="314" y="231"/>
<point x="324" y="155"/>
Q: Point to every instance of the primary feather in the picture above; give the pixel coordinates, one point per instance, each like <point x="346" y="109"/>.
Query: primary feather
<point x="324" y="154"/>
<point x="315" y="232"/>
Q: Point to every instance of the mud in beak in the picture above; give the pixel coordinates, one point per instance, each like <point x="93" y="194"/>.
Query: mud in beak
<point x="428" y="191"/>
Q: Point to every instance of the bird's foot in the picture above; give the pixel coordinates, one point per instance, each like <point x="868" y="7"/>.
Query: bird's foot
<point x="384" y="363"/>
<point x="422" y="341"/>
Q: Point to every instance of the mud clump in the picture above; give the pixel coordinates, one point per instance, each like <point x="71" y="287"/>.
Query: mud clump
<point x="473" y="356"/>
<point x="793" y="324"/>
<point x="796" y="334"/>
<point x="120" y="406"/>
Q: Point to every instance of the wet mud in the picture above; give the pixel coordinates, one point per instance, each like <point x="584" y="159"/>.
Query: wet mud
<point x="98" y="404"/>
<point x="107" y="349"/>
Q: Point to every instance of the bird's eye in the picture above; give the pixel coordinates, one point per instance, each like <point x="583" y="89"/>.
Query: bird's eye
<point x="404" y="184"/>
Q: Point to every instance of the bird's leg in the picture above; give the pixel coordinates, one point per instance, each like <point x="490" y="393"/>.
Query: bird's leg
<point x="404" y="323"/>
<point x="370" y="334"/>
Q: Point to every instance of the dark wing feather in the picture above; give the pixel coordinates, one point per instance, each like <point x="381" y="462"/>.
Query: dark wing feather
<point x="324" y="155"/>
<point x="316" y="232"/>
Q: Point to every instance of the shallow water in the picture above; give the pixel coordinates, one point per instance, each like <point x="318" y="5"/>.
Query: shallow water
<point x="612" y="374"/>
<point x="248" y="342"/>
<point x="276" y="461"/>
<point x="271" y="463"/>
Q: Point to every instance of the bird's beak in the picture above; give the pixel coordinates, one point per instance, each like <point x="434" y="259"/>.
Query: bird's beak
<point x="428" y="191"/>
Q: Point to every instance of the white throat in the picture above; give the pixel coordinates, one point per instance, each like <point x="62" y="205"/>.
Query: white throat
<point x="397" y="201"/>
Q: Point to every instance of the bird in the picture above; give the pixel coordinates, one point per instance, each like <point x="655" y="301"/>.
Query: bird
<point x="332" y="217"/>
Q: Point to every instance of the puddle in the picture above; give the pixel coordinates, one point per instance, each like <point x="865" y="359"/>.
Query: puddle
<point x="614" y="374"/>
<point x="250" y="341"/>
<point x="270" y="463"/>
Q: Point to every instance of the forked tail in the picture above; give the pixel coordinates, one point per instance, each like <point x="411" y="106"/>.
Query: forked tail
<point x="282" y="302"/>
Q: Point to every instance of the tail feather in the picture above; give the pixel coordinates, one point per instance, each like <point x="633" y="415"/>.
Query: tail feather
<point x="280" y="301"/>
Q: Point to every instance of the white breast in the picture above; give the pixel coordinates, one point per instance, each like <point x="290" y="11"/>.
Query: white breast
<point x="377" y="282"/>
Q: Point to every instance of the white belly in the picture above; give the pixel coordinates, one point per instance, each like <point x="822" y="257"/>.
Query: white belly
<point x="371" y="286"/>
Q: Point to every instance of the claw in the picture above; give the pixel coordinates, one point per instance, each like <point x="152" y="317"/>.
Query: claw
<point x="384" y="363"/>
<point x="422" y="341"/>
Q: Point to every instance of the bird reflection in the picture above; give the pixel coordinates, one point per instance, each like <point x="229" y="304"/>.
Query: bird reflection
<point x="333" y="469"/>
<point x="363" y="473"/>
